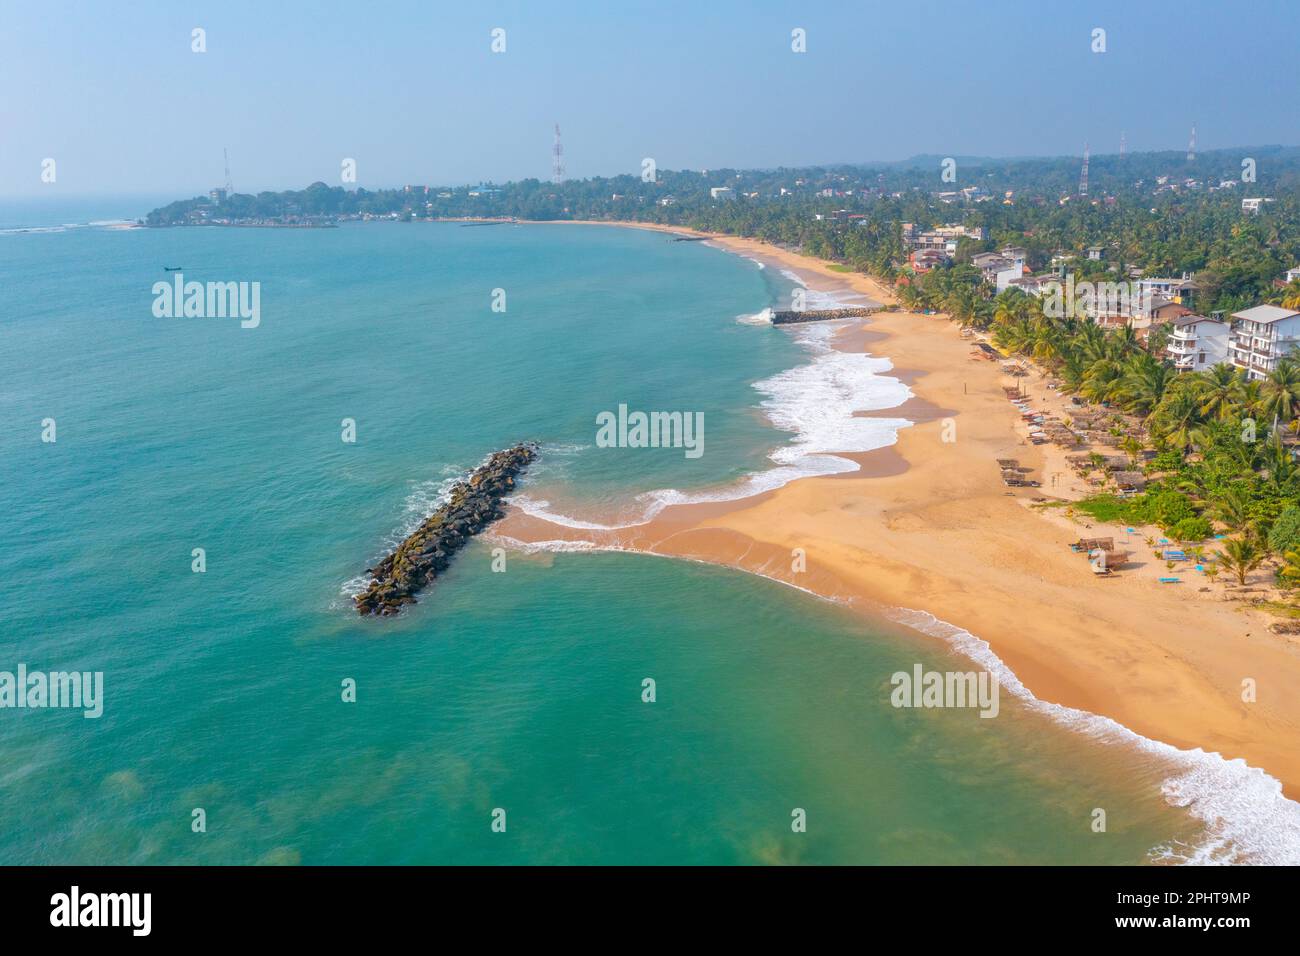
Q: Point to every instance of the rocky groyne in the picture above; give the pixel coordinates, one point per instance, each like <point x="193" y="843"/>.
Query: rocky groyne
<point x="475" y="503"/>
<point x="820" y="315"/>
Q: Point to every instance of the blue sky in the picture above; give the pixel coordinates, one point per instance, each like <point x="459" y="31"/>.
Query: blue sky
<point x="413" y="92"/>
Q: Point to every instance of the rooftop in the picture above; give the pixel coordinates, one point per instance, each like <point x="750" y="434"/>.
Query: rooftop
<point x="1266" y="314"/>
<point x="1190" y="319"/>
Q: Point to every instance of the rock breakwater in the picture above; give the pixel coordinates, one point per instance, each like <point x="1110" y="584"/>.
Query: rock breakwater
<point x="474" y="504"/>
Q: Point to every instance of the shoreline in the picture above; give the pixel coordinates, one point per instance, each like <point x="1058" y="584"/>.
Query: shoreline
<point x="947" y="539"/>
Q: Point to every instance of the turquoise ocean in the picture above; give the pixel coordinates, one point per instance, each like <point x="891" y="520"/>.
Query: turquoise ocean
<point x="519" y="690"/>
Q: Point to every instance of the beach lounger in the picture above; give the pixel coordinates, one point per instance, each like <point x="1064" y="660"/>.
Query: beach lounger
<point x="1171" y="580"/>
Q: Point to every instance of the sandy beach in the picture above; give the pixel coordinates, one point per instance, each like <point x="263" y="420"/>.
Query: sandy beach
<point x="927" y="524"/>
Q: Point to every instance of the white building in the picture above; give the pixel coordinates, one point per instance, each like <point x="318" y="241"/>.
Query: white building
<point x="1001" y="268"/>
<point x="1253" y="205"/>
<point x="1261" y="336"/>
<point x="1175" y="290"/>
<point x="1197" y="343"/>
<point x="722" y="192"/>
<point x="941" y="237"/>
<point x="1292" y="274"/>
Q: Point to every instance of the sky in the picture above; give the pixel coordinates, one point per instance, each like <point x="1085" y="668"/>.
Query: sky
<point x="413" y="92"/>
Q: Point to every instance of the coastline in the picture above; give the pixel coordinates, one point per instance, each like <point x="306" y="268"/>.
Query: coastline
<point x="926" y="525"/>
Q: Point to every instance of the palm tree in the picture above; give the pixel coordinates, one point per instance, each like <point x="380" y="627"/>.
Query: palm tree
<point x="1101" y="383"/>
<point x="1179" y="418"/>
<point x="1145" y="381"/>
<point x="1131" y="447"/>
<point x="1280" y="468"/>
<point x="1281" y="391"/>
<point x="1233" y="508"/>
<point x="1241" y="556"/>
<point x="1252" y="396"/>
<point x="1014" y="337"/>
<point x="1291" y="295"/>
<point x="1091" y="342"/>
<point x="1289" y="573"/>
<point x="1123" y="342"/>
<point x="1221" y="392"/>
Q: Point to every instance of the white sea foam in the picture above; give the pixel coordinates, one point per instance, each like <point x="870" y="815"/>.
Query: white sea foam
<point x="425" y="497"/>
<point x="541" y="508"/>
<point x="816" y="299"/>
<point x="758" y="318"/>
<point x="1246" y="816"/>
<point x="815" y="402"/>
<point x="555" y="546"/>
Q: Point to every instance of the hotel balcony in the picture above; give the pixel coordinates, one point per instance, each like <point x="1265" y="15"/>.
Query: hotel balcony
<point x="1185" y="363"/>
<point x="1181" y="346"/>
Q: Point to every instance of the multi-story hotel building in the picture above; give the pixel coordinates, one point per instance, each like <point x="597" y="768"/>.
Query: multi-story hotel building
<point x="1261" y="336"/>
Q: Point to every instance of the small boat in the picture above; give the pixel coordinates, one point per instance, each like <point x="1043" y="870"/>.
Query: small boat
<point x="172" y="268"/>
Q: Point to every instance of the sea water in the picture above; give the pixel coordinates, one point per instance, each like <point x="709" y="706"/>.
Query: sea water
<point x="249" y="715"/>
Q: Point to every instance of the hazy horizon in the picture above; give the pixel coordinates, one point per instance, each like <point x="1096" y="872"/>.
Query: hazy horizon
<point x="125" y="107"/>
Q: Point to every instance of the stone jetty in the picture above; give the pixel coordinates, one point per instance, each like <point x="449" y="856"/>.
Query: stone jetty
<point x="475" y="503"/>
<point x="820" y="315"/>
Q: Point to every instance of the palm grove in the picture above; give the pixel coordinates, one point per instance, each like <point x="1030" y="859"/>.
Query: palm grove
<point x="1220" y="459"/>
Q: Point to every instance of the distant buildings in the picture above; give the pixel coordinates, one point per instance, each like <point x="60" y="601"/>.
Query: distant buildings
<point x="1035" y="285"/>
<point x="217" y="196"/>
<point x="942" y="238"/>
<point x="722" y="192"/>
<point x="1254" y="205"/>
<point x="923" y="260"/>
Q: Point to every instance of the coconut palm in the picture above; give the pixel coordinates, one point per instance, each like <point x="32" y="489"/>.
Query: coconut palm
<point x="1131" y="447"/>
<point x="1233" y="508"/>
<point x="1241" y="556"/>
<point x="1101" y="383"/>
<point x="1279" y="466"/>
<point x="1221" y="392"/>
<point x="1281" y="391"/>
<point x="1123" y="342"/>
<point x="1179" y="418"/>
<point x="1289" y="573"/>
<point x="1252" y="397"/>
<point x="1145" y="381"/>
<point x="1291" y="295"/>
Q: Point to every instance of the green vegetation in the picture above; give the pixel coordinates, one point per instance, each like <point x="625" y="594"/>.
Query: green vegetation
<point x="851" y="215"/>
<point x="1222" y="444"/>
<point x="1220" y="458"/>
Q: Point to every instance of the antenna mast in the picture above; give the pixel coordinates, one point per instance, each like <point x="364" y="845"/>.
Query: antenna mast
<point x="225" y="153"/>
<point x="1083" y="175"/>
<point x="1191" y="146"/>
<point x="557" y="158"/>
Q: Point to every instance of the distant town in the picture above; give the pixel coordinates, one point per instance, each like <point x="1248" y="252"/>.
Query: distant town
<point x="1197" y="254"/>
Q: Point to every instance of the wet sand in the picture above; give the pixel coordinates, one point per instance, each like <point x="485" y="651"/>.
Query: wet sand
<point x="927" y="524"/>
